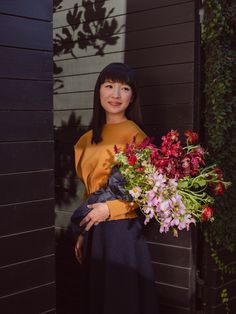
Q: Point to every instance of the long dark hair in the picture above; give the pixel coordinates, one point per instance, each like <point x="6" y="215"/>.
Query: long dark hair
<point x="116" y="72"/>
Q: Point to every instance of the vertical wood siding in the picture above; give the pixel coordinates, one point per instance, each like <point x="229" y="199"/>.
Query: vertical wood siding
<point x="26" y="154"/>
<point x="157" y="38"/>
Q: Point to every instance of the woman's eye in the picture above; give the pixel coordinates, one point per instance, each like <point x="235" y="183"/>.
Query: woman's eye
<point x="108" y="85"/>
<point x="126" y="88"/>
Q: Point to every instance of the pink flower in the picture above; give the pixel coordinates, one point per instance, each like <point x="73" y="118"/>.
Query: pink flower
<point x="135" y="192"/>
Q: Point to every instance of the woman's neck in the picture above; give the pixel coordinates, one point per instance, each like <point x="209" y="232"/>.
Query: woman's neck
<point x="112" y="119"/>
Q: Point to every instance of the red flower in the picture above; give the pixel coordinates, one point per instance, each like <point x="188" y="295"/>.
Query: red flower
<point x="185" y="162"/>
<point x="191" y="136"/>
<point x="207" y="212"/>
<point x="173" y="136"/>
<point x="219" y="173"/>
<point x="132" y="160"/>
<point x="176" y="149"/>
<point x="219" y="188"/>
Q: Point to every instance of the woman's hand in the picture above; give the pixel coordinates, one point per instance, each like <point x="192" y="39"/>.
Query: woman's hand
<point x="100" y="212"/>
<point x="78" y="248"/>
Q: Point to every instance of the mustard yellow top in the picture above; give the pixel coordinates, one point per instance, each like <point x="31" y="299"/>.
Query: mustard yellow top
<point x="93" y="162"/>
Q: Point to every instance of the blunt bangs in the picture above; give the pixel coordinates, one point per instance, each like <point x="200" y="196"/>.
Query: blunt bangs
<point x="118" y="72"/>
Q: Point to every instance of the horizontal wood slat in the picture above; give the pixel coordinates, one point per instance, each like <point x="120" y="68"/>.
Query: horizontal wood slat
<point x="26" y="217"/>
<point x="182" y="241"/>
<point x="173" y="295"/>
<point x="25" y="33"/>
<point x="28" y="156"/>
<point x="27" y="246"/>
<point x="36" y="300"/>
<point x="27" y="275"/>
<point x="172" y="275"/>
<point x="26" y="125"/>
<point x="25" y="95"/>
<point x="169" y="308"/>
<point x="159" y="113"/>
<point x="25" y="64"/>
<point x="175" y="256"/>
<point x="26" y="187"/>
<point x="28" y="8"/>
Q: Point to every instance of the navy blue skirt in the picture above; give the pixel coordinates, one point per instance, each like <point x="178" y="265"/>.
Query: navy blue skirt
<point x="117" y="275"/>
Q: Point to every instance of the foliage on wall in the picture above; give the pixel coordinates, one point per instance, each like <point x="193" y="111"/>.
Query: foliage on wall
<point x="219" y="46"/>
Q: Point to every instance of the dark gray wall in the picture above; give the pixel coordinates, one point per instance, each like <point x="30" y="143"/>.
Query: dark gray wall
<point x="26" y="155"/>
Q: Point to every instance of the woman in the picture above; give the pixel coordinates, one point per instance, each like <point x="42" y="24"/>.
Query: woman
<point x="116" y="266"/>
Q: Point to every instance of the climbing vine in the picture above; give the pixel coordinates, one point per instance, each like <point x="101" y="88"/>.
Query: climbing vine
<point x="219" y="48"/>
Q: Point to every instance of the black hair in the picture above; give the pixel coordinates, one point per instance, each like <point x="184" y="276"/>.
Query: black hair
<point x="116" y="72"/>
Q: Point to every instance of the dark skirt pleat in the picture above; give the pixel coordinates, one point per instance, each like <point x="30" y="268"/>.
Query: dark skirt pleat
<point x="117" y="272"/>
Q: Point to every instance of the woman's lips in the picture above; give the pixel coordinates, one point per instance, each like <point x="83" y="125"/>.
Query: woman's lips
<point x="114" y="103"/>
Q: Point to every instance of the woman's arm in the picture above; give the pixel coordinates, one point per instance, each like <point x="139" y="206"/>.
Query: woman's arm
<point x="79" y="248"/>
<point x="99" y="212"/>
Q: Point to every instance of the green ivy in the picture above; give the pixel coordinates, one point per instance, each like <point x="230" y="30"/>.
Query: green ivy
<point x="219" y="48"/>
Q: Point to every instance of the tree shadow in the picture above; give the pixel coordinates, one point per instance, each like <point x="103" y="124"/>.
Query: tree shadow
<point x="88" y="26"/>
<point x="65" y="176"/>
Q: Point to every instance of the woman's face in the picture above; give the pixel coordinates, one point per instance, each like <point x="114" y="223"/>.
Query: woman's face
<point x="115" y="97"/>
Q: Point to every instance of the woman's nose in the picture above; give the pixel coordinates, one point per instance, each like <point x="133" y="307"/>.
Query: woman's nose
<point x="116" y="92"/>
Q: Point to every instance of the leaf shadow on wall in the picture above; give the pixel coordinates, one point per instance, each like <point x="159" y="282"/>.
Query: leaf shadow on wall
<point x="65" y="176"/>
<point x="90" y="25"/>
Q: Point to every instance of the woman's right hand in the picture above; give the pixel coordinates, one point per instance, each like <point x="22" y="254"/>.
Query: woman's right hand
<point x="79" y="248"/>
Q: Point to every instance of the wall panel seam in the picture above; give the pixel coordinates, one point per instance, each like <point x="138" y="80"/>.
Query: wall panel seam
<point x="25" y="232"/>
<point x="27" y="261"/>
<point x="169" y="245"/>
<point x="172" y="266"/>
<point x="26" y="17"/>
<point x="26" y="172"/>
<point x="170" y="285"/>
<point x="26" y="48"/>
<point x="26" y="290"/>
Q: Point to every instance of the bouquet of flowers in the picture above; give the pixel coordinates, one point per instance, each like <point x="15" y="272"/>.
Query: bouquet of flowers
<point x="172" y="183"/>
